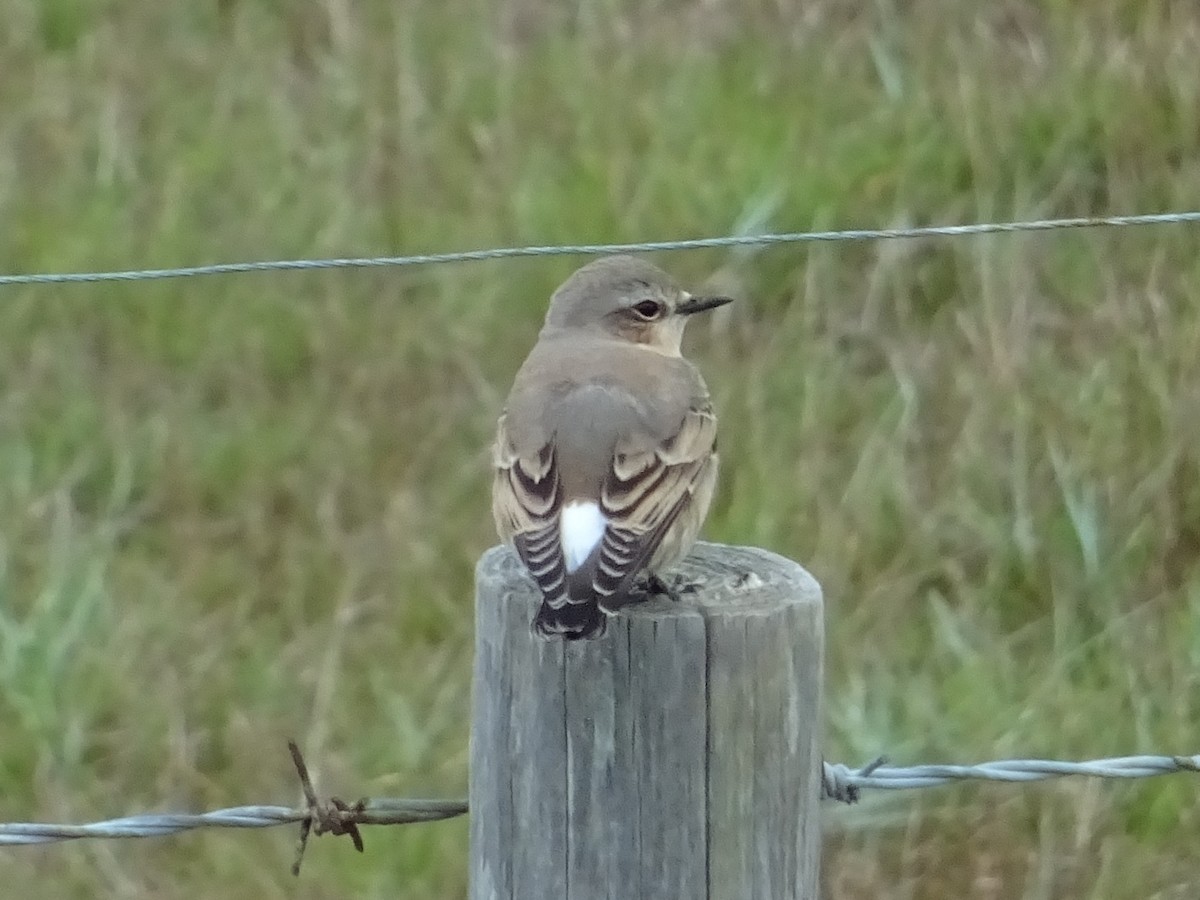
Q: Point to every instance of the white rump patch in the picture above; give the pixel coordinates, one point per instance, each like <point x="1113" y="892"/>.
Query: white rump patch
<point x="581" y="528"/>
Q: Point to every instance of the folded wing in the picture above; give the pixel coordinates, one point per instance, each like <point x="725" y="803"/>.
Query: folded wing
<point x="650" y="487"/>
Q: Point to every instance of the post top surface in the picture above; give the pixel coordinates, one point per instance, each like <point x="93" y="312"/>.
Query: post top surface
<point x="728" y="580"/>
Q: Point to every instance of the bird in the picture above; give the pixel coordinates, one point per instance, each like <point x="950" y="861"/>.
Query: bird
<point x="605" y="456"/>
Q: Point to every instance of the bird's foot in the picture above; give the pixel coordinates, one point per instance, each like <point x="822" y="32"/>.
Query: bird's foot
<point x="648" y="586"/>
<point x="672" y="590"/>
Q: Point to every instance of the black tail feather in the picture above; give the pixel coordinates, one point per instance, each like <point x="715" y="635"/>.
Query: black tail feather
<point x="570" y="622"/>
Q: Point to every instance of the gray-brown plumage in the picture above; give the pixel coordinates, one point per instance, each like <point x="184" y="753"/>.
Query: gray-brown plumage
<point x="605" y="455"/>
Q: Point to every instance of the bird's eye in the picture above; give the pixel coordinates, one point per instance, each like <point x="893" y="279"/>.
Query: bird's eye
<point x="648" y="309"/>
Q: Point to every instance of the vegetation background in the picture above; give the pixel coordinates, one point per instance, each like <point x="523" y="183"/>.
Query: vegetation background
<point x="241" y="508"/>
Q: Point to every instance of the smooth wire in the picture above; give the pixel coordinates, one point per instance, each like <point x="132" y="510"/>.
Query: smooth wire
<point x="862" y="234"/>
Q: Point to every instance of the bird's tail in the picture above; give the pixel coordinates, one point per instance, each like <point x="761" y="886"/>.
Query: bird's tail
<point x="572" y="621"/>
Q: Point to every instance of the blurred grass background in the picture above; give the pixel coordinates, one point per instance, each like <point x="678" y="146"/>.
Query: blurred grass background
<point x="241" y="508"/>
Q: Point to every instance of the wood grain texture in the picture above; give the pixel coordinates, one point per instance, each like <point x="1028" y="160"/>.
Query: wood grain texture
<point x="678" y="756"/>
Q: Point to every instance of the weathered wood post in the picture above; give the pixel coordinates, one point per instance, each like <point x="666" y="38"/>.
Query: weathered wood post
<point x="676" y="757"/>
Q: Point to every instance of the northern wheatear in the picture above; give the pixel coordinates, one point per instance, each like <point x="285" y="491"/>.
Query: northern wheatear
<point x="606" y="453"/>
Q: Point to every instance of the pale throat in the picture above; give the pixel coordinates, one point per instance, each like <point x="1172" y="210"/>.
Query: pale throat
<point x="663" y="342"/>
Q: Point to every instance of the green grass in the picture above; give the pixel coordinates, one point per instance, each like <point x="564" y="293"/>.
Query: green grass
<point x="242" y="508"/>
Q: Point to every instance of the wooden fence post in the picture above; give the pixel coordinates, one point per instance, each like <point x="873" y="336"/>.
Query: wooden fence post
<point x="676" y="757"/>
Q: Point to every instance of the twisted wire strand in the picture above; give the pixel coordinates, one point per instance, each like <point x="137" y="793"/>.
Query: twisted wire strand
<point x="844" y="784"/>
<point x="740" y="240"/>
<point x="373" y="812"/>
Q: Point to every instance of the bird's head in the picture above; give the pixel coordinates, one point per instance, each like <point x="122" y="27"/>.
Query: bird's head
<point x="629" y="299"/>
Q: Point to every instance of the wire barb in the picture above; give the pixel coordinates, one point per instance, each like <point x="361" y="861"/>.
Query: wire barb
<point x="335" y="817"/>
<point x="737" y="240"/>
<point x="838" y="782"/>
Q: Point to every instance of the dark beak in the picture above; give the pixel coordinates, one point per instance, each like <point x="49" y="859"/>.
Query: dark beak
<point x="700" y="304"/>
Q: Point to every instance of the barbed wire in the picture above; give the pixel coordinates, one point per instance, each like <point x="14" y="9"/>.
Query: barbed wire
<point x="333" y="816"/>
<point x="740" y="240"/>
<point x="844" y="784"/>
<point x="337" y="817"/>
<point x="372" y="812"/>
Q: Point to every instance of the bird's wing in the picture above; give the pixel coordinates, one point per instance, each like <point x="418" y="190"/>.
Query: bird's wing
<point x="526" y="502"/>
<point x="651" y="483"/>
